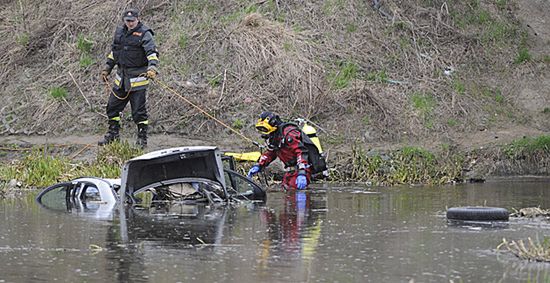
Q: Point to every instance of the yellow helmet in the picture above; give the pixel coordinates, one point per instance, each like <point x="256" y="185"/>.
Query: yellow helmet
<point x="267" y="123"/>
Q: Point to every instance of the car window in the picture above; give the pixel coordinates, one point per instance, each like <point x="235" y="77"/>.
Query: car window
<point x="55" y="197"/>
<point x="238" y="184"/>
<point x="90" y="193"/>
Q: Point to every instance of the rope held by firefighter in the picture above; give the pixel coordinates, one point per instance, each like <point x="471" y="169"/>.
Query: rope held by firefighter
<point x="171" y="90"/>
<point x="110" y="90"/>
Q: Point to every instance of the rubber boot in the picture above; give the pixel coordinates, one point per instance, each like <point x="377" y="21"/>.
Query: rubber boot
<point x="112" y="134"/>
<point x="142" y="136"/>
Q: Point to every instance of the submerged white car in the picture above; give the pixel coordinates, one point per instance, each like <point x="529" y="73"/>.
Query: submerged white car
<point x="194" y="174"/>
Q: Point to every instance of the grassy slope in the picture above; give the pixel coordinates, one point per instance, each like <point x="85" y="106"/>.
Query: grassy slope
<point x="362" y="76"/>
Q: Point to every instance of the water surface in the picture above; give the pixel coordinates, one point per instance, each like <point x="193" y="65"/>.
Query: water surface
<point x="330" y="234"/>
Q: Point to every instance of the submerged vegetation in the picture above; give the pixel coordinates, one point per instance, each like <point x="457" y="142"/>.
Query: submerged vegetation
<point x="532" y="250"/>
<point x="531" y="212"/>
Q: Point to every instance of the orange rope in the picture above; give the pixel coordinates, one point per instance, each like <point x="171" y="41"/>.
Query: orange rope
<point x="171" y="90"/>
<point x="109" y="89"/>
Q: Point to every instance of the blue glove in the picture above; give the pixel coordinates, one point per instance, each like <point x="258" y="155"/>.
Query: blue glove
<point x="254" y="170"/>
<point x="301" y="182"/>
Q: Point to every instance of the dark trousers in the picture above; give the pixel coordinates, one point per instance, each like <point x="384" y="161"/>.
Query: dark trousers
<point x="138" y="100"/>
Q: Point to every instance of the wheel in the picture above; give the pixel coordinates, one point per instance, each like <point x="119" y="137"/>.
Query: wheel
<point x="478" y="213"/>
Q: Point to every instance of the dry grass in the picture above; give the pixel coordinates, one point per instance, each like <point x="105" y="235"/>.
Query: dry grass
<point x="531" y="212"/>
<point x="341" y="64"/>
<point x="529" y="250"/>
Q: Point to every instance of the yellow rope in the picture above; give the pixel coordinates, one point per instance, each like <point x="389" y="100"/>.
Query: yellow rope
<point x="171" y="90"/>
<point x="110" y="90"/>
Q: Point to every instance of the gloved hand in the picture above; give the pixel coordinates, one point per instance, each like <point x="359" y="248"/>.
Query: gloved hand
<point x="151" y="74"/>
<point x="254" y="170"/>
<point x="104" y="75"/>
<point x="301" y="182"/>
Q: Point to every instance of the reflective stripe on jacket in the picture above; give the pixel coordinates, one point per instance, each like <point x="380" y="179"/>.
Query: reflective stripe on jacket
<point x="133" y="52"/>
<point x="135" y="83"/>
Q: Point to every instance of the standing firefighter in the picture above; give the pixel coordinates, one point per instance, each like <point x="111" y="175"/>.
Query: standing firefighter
<point x="135" y="54"/>
<point x="294" y="148"/>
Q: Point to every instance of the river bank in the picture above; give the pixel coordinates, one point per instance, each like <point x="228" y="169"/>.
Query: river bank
<point x="27" y="163"/>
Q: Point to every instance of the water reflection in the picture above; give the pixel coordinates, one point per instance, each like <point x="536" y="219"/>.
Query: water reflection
<point x="331" y="235"/>
<point x="176" y="225"/>
<point x="293" y="234"/>
<point x="294" y="231"/>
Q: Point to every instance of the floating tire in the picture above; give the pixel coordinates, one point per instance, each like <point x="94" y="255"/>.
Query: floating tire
<point x="478" y="213"/>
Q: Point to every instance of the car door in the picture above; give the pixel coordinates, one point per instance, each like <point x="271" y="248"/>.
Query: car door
<point x="241" y="187"/>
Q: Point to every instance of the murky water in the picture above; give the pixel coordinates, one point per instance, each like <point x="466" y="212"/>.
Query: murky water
<point x="325" y="235"/>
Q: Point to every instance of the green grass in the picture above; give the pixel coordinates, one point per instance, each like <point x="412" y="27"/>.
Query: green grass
<point x="84" y="44"/>
<point x="58" y="92"/>
<point x="471" y="17"/>
<point x="451" y="122"/>
<point x="22" y="39"/>
<point x="499" y="98"/>
<point x="424" y="103"/>
<point x="335" y="139"/>
<point x="37" y="168"/>
<point x="288" y="47"/>
<point x="238" y="15"/>
<point x="41" y="167"/>
<point x="399" y="25"/>
<point x="497" y="31"/>
<point x="214" y="81"/>
<point x="238" y="124"/>
<point x="546" y="110"/>
<point x="502" y="4"/>
<point x="85" y="61"/>
<point x="523" y="56"/>
<point x="110" y="159"/>
<point x="342" y="78"/>
<point x="366" y="120"/>
<point x="377" y="76"/>
<point x="331" y="6"/>
<point x="351" y="28"/>
<point x="183" y="41"/>
<point x="531" y="146"/>
<point x="459" y="86"/>
<point x="546" y="59"/>
<point x="409" y="165"/>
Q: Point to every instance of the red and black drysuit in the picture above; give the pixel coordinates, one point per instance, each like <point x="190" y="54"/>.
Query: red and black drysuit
<point x="286" y="144"/>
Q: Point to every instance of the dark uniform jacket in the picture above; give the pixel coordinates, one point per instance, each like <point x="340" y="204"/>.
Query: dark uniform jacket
<point x="133" y="52"/>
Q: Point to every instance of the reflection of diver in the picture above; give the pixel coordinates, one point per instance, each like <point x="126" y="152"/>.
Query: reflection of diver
<point x="295" y="231"/>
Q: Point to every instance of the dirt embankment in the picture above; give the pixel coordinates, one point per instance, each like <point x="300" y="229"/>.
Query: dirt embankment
<point x="467" y="74"/>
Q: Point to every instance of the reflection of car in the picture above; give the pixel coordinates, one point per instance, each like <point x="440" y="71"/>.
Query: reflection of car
<point x="186" y="174"/>
<point x="175" y="224"/>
